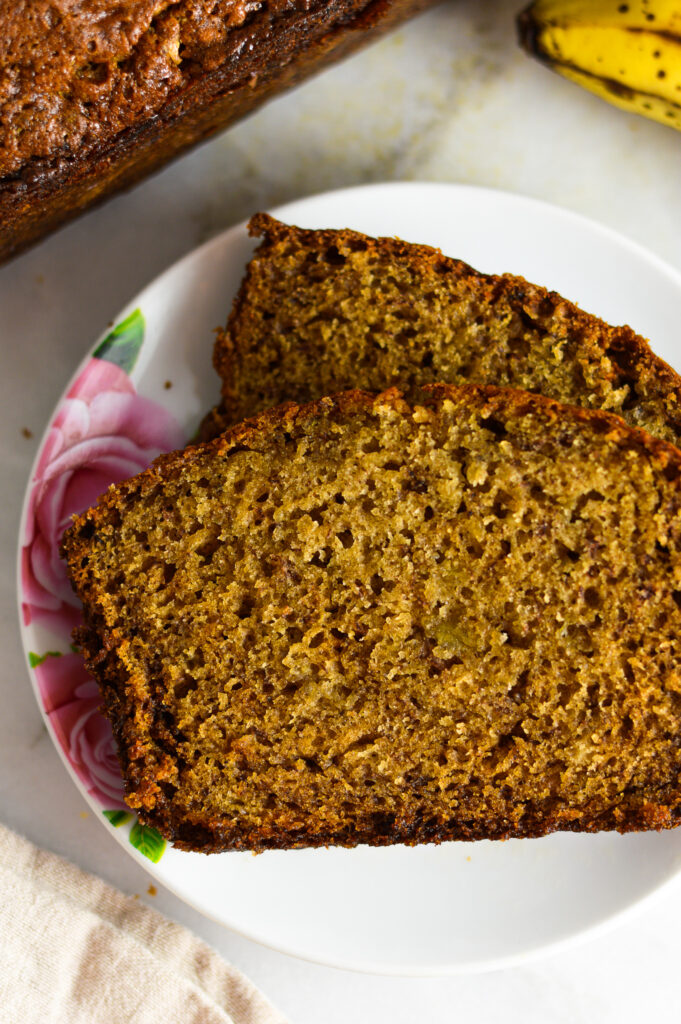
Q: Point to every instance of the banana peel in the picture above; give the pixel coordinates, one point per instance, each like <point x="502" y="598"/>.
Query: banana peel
<point x="628" y="53"/>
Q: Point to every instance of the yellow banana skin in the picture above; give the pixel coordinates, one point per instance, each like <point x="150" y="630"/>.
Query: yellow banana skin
<point x="628" y="53"/>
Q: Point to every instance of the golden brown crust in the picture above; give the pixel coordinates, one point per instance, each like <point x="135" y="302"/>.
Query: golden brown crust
<point x="138" y="720"/>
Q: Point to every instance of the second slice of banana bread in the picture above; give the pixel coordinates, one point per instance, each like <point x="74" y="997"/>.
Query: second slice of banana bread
<point x="321" y="311"/>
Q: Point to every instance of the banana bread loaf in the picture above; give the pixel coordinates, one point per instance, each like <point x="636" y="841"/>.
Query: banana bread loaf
<point x="96" y="94"/>
<point x="322" y="311"/>
<point x="380" y="619"/>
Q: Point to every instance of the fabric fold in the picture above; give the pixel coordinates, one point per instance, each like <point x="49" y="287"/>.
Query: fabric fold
<point x="76" y="950"/>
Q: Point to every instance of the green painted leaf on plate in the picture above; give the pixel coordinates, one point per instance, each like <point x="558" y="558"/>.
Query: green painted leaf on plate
<point x="37" y="659"/>
<point x="148" y="841"/>
<point x="123" y="342"/>
<point x="117" y="818"/>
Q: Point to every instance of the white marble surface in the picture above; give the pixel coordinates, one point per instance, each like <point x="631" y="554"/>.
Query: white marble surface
<point x="451" y="98"/>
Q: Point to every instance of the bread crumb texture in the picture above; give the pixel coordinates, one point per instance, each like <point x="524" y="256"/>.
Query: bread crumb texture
<point x="322" y="311"/>
<point x="388" y="619"/>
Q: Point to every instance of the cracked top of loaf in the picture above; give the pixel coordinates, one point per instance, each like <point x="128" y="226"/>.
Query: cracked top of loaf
<point x="75" y="73"/>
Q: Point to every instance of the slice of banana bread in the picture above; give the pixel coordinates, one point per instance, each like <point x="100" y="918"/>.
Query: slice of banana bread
<point x="321" y="311"/>
<point x="380" y="619"/>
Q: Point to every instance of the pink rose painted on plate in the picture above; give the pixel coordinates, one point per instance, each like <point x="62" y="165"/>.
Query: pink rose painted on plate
<point x="103" y="432"/>
<point x="71" y="699"/>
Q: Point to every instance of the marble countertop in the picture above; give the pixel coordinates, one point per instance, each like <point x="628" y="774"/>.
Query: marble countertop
<point x="450" y="97"/>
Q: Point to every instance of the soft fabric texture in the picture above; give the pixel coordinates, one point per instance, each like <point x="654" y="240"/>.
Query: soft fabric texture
<point x="76" y="951"/>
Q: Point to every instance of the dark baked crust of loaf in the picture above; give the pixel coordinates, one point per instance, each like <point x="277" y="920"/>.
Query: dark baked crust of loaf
<point x="134" y="722"/>
<point x="613" y="357"/>
<point x="631" y="816"/>
<point x="273" y="52"/>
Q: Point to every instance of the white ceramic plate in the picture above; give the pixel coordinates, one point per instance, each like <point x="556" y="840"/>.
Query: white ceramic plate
<point x="427" y="910"/>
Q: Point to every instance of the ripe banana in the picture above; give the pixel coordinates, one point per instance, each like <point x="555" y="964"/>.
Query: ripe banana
<point x="628" y="53"/>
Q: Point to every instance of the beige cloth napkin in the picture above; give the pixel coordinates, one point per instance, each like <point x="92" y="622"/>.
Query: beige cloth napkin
<point x="75" y="951"/>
